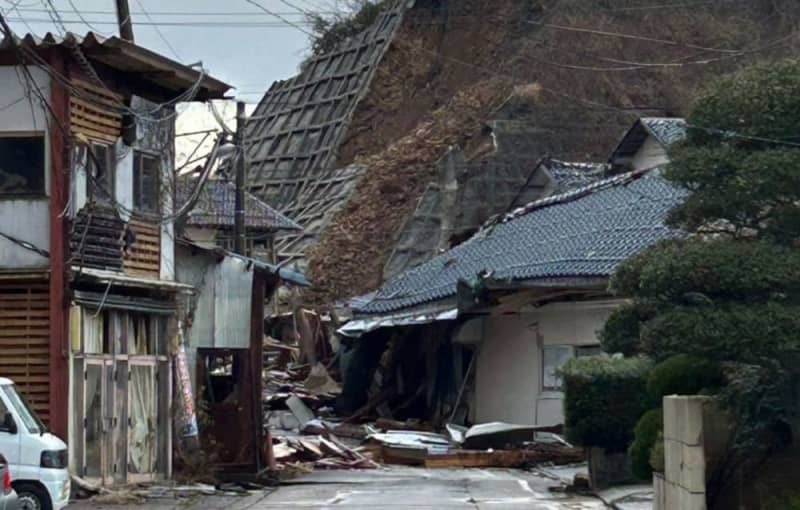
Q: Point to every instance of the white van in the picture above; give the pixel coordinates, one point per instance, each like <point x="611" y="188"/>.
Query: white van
<point x="37" y="458"/>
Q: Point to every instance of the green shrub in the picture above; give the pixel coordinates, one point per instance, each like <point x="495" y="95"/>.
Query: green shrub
<point x="683" y="374"/>
<point x="729" y="332"/>
<point x="604" y="397"/>
<point x="621" y="331"/>
<point x="657" y="454"/>
<point x="645" y="435"/>
<point x="702" y="272"/>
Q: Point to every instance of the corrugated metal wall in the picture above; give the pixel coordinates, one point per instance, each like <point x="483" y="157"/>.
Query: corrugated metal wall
<point x="24" y="339"/>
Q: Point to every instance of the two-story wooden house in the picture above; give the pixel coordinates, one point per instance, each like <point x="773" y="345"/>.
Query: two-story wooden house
<point x="88" y="296"/>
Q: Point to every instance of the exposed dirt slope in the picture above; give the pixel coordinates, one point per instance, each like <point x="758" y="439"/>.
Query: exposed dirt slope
<point x="397" y="177"/>
<point x="597" y="64"/>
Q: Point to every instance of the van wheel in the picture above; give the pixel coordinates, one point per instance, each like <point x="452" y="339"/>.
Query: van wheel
<point x="32" y="497"/>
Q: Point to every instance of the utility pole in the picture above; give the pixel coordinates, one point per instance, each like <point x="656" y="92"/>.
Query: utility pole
<point x="124" y="20"/>
<point x="241" y="169"/>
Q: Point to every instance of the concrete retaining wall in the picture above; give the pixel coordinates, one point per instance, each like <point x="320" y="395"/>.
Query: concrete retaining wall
<point x="695" y="436"/>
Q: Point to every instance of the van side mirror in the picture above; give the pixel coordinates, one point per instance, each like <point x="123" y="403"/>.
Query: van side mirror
<point x="8" y="425"/>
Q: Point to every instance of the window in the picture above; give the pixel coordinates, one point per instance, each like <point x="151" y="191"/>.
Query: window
<point x="22" y="165"/>
<point x="588" y="350"/>
<point x="146" y="182"/>
<point x="222" y="369"/>
<point x="101" y="165"/>
<point x="553" y="358"/>
<point x="23" y="410"/>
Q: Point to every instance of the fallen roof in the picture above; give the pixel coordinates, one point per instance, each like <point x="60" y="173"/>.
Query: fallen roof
<point x="127" y="57"/>
<point x="294" y="135"/>
<point x="583" y="233"/>
<point x="666" y="131"/>
<point x="216" y="208"/>
<point x="285" y="274"/>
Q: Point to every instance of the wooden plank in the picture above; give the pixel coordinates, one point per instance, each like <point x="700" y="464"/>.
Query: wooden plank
<point x="15" y="333"/>
<point x="97" y="124"/>
<point x="26" y="322"/>
<point x="94" y="115"/>
<point x="42" y="350"/>
<point x="101" y="137"/>
<point x="87" y="106"/>
<point x="96" y="89"/>
<point x="30" y="379"/>
<point x="92" y="132"/>
<point x="6" y="362"/>
<point x="18" y="312"/>
<point x="473" y="459"/>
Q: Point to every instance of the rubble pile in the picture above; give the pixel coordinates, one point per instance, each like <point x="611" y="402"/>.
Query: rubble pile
<point x="300" y="391"/>
<point x="351" y="254"/>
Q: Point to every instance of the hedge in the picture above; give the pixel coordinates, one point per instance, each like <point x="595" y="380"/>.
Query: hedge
<point x="683" y="374"/>
<point x="645" y="434"/>
<point x="604" y="397"/>
<point x="734" y="332"/>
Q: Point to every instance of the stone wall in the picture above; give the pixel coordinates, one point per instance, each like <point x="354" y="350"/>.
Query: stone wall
<point x="695" y="436"/>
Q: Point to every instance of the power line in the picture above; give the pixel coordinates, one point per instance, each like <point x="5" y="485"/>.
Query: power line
<point x="280" y="17"/>
<point x="188" y="13"/>
<point x="192" y="24"/>
<point x="78" y="13"/>
<point x="158" y="31"/>
<point x="620" y="35"/>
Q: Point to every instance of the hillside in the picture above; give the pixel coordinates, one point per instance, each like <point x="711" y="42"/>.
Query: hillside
<point x="579" y="71"/>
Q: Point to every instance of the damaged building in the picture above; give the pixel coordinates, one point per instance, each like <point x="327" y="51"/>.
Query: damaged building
<point x="87" y="257"/>
<point x="224" y="319"/>
<point x="380" y="147"/>
<point x="492" y="320"/>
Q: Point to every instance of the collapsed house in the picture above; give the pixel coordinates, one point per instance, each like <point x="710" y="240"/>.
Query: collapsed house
<point x="492" y="320"/>
<point x="88" y="297"/>
<point x="382" y="147"/>
<point x="224" y="320"/>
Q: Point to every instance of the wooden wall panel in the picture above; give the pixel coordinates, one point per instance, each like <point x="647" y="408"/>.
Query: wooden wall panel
<point x="144" y="257"/>
<point x="95" y="113"/>
<point x="25" y="340"/>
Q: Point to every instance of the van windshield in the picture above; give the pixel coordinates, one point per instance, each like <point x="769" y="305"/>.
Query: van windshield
<point x="28" y="417"/>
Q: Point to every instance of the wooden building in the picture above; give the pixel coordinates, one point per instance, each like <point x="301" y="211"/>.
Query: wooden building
<point x="88" y="295"/>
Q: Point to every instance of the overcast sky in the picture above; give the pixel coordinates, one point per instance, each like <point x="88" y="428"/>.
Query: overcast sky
<point x="245" y="46"/>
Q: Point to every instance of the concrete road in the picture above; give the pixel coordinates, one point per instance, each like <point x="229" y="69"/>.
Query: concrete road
<point x="394" y="488"/>
<point x="425" y="489"/>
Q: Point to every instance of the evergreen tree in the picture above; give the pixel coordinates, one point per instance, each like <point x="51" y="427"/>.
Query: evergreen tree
<point x="728" y="293"/>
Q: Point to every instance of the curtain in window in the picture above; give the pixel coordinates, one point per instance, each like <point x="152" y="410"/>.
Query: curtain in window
<point x="92" y="333"/>
<point x="141" y="434"/>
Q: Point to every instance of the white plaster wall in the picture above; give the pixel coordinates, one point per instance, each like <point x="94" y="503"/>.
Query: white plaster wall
<point x="509" y="367"/>
<point x="506" y="371"/>
<point x="650" y="154"/>
<point x="28" y="219"/>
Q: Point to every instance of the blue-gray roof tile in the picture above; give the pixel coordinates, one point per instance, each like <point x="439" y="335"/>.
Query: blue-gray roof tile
<point x="583" y="233"/>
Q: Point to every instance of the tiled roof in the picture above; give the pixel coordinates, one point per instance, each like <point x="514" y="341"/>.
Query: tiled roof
<point x="583" y="233"/>
<point x="553" y="176"/>
<point x="216" y="208"/>
<point x="667" y="130"/>
<point x="569" y="175"/>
